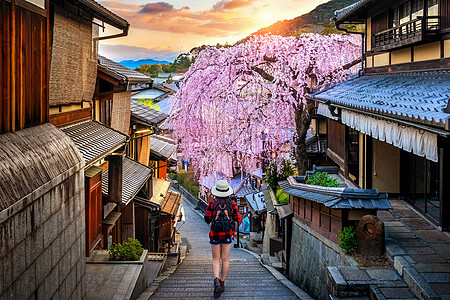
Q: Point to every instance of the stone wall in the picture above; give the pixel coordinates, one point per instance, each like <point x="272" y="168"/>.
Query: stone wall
<point x="311" y="254"/>
<point x="42" y="236"/>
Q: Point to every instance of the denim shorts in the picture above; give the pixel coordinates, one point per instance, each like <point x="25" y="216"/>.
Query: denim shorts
<point x="218" y="242"/>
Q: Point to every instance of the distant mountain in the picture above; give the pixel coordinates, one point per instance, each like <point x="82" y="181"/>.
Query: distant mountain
<point x="317" y="20"/>
<point x="132" y="64"/>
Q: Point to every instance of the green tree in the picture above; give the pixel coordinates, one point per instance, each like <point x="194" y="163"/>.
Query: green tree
<point x="169" y="79"/>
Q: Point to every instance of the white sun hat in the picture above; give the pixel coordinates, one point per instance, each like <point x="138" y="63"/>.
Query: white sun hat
<point x="222" y="189"/>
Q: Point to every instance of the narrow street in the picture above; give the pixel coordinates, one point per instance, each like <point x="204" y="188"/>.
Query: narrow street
<point x="247" y="278"/>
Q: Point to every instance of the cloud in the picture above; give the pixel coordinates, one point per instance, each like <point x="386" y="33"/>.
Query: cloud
<point x="230" y="4"/>
<point x="156" y="8"/>
<point x="123" y="52"/>
<point x="224" y="18"/>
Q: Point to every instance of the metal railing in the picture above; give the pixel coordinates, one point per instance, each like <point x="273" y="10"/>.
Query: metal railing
<point x="409" y="32"/>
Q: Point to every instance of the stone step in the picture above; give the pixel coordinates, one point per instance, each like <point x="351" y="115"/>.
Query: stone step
<point x="397" y="292"/>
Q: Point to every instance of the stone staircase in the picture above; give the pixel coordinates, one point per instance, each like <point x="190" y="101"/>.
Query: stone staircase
<point x="352" y="282"/>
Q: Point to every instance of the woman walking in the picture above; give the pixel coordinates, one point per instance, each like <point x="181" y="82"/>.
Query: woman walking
<point x="221" y="213"/>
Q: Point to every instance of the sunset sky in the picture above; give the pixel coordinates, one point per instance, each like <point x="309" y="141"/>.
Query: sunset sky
<point x="164" y="29"/>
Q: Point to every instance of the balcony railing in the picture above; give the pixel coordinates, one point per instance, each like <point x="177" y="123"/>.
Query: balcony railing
<point x="418" y="30"/>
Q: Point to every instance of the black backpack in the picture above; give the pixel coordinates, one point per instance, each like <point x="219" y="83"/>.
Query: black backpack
<point x="222" y="219"/>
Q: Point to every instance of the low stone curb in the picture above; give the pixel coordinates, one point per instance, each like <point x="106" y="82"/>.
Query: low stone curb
<point x="281" y="278"/>
<point x="154" y="285"/>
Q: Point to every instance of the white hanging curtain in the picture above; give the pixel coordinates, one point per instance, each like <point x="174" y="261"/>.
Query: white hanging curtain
<point x="419" y="142"/>
<point x="324" y="111"/>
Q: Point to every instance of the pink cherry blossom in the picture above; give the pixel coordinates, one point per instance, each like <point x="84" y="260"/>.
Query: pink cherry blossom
<point x="238" y="104"/>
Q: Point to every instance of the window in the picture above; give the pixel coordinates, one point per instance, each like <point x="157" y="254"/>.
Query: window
<point x="393" y="18"/>
<point x="416" y="9"/>
<point x="405" y="12"/>
<point x="353" y="154"/>
<point x="105" y="112"/>
<point x="432" y="8"/>
<point x="421" y="184"/>
<point x="411" y="10"/>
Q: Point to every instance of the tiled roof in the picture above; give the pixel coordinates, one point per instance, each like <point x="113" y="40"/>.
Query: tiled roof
<point x="259" y="173"/>
<point x="419" y="97"/>
<point x="134" y="175"/>
<point x="104" y="14"/>
<point x="283" y="210"/>
<point x="236" y="182"/>
<point x="336" y="198"/>
<point x="340" y="14"/>
<point x="171" y="203"/>
<point x="30" y="158"/>
<point x="314" y="145"/>
<point x="94" y="140"/>
<point x="146" y="114"/>
<point x="245" y="190"/>
<point x="162" y="147"/>
<point x="256" y="202"/>
<point x="121" y="72"/>
<point x="165" y="105"/>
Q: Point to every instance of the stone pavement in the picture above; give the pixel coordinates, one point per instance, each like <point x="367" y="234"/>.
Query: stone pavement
<point x="420" y="252"/>
<point x="247" y="278"/>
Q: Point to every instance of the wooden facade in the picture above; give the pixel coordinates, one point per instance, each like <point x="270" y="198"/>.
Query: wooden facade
<point x="24" y="65"/>
<point x="328" y="222"/>
<point x="410" y="37"/>
<point x="94" y="207"/>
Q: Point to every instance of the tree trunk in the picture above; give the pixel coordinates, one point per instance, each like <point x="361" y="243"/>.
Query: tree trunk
<point x="302" y="123"/>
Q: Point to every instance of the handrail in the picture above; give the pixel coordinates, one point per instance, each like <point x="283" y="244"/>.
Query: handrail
<point x="420" y="25"/>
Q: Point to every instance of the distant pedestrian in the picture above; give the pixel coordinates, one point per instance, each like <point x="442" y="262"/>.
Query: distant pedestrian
<point x="221" y="213"/>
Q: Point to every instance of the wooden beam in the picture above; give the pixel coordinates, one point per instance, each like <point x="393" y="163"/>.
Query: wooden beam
<point x="104" y="96"/>
<point x="31" y="7"/>
<point x="71" y="117"/>
<point x="107" y="78"/>
<point x="436" y="64"/>
<point x="13" y="65"/>
<point x="115" y="169"/>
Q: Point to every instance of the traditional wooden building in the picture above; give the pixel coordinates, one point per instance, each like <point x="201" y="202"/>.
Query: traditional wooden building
<point x="319" y="213"/>
<point x="111" y="179"/>
<point x="144" y="122"/>
<point x="156" y="209"/>
<point x="389" y="129"/>
<point x="163" y="151"/>
<point x="42" y="209"/>
<point x="74" y="57"/>
<point x="328" y="210"/>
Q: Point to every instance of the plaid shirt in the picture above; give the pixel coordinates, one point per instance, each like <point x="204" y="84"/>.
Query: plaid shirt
<point x="215" y="236"/>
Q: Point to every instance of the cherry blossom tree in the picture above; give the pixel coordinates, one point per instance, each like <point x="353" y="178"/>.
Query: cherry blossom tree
<point x="237" y="104"/>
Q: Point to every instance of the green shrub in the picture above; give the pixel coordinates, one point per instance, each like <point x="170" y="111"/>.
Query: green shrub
<point x="322" y="179"/>
<point x="129" y="250"/>
<point x="186" y="180"/>
<point x="278" y="172"/>
<point x="282" y="197"/>
<point x="348" y="239"/>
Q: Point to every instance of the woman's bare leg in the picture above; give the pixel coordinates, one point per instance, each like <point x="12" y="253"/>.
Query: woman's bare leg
<point x="225" y="256"/>
<point x="216" y="260"/>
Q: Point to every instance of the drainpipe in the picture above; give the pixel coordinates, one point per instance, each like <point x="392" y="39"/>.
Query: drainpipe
<point x="361" y="71"/>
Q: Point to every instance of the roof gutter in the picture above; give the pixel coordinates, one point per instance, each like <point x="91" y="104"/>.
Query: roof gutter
<point x="124" y="33"/>
<point x="419" y="126"/>
<point x="108" y="17"/>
